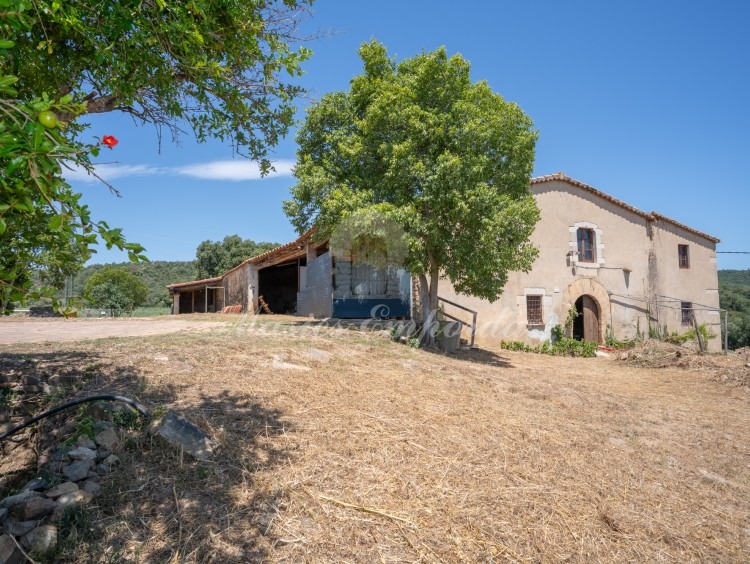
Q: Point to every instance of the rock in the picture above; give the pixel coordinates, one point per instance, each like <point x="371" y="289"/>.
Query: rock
<point x="111" y="460"/>
<point x="86" y="442"/>
<point x="161" y="357"/>
<point x="41" y="540"/>
<point x="19" y="528"/>
<point x="77" y="471"/>
<point x="100" y="426"/>
<point x="61" y="455"/>
<point x="183" y="435"/>
<point x="318" y="354"/>
<point x="29" y="380"/>
<point x="18" y="499"/>
<point x="100" y="411"/>
<point x="103" y="469"/>
<point x="602" y="354"/>
<point x="102" y="453"/>
<point x="91" y="487"/>
<point x="67" y="429"/>
<point x="37" y="507"/>
<point x="9" y="552"/>
<point x="82" y="453"/>
<point x="73" y="498"/>
<point x="62" y="489"/>
<point x="35" y="485"/>
<point x="107" y="439"/>
<point x="3" y="515"/>
<point x="64" y="380"/>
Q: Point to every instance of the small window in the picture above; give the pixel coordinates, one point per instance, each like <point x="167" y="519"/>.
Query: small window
<point x="687" y="313"/>
<point x="534" y="310"/>
<point x="683" y="252"/>
<point x="586" y="245"/>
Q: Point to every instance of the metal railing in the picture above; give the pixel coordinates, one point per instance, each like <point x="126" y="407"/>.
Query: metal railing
<point x="472" y="325"/>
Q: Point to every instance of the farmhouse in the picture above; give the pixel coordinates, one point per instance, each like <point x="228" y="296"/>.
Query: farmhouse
<point x="624" y="270"/>
<point x="302" y="278"/>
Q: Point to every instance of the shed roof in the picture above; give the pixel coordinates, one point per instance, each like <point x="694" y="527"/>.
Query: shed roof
<point x="649" y="216"/>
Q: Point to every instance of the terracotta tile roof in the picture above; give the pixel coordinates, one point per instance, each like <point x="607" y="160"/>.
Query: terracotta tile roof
<point x="652" y="216"/>
<point x="268" y="255"/>
<point x="204" y="282"/>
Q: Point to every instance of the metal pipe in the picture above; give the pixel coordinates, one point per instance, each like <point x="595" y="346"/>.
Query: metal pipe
<point x="112" y="397"/>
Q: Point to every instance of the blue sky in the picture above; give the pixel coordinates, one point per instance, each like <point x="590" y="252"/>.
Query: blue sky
<point x="647" y="101"/>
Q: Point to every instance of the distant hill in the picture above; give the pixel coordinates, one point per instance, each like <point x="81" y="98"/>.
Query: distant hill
<point x="734" y="293"/>
<point x="156" y="275"/>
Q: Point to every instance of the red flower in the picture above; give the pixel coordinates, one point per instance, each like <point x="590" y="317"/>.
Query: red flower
<point x="109" y="141"/>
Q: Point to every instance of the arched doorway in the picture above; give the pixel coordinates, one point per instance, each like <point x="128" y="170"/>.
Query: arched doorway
<point x="586" y="325"/>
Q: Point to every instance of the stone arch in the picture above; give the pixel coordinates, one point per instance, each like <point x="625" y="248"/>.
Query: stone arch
<point x="594" y="289"/>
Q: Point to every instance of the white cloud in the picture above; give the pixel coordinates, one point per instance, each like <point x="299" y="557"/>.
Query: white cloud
<point x="231" y="171"/>
<point x="109" y="172"/>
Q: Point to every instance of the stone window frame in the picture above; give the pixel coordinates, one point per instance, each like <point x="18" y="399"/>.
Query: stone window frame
<point x="523" y="303"/>
<point x="598" y="245"/>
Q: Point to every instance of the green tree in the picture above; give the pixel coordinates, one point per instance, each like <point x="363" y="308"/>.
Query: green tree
<point x="215" y="67"/>
<point x="115" y="289"/>
<point x="216" y="257"/>
<point x="447" y="159"/>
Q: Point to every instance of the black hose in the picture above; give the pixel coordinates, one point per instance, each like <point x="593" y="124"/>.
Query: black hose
<point x="111" y="397"/>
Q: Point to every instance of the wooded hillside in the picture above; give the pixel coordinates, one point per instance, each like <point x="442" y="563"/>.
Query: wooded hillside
<point x="734" y="290"/>
<point x="156" y="275"/>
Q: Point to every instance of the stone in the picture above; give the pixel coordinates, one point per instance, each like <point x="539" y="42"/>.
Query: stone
<point x="3" y="514"/>
<point x="61" y="489"/>
<point x="35" y="485"/>
<point x="100" y="411"/>
<point x="73" y="498"/>
<point x="319" y="355"/>
<point x="67" y="429"/>
<point x="37" y="507"/>
<point x="100" y="426"/>
<point x="107" y="438"/>
<point x="9" y="551"/>
<point x="86" y="442"/>
<point x="82" y="453"/>
<point x="41" y="540"/>
<point x="183" y="435"/>
<point x="103" y="469"/>
<point x="91" y="487"/>
<point x="64" y="380"/>
<point x="30" y="380"/>
<point x="102" y="453"/>
<point x="77" y="470"/>
<point x="61" y="455"/>
<point x="19" y="528"/>
<point x="18" y="499"/>
<point x="111" y="460"/>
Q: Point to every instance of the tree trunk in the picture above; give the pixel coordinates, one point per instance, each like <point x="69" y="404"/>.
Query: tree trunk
<point x="429" y="300"/>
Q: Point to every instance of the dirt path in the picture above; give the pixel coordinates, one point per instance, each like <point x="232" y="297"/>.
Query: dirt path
<point x="24" y="330"/>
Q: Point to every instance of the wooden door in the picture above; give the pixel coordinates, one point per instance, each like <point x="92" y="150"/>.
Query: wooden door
<point x="590" y="320"/>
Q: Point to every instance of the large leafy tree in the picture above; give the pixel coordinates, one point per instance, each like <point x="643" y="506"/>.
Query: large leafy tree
<point x="216" y="257"/>
<point x="216" y="68"/>
<point x="449" y="160"/>
<point x="115" y="289"/>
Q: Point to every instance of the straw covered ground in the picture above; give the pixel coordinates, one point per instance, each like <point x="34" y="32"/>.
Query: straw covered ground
<point x="339" y="445"/>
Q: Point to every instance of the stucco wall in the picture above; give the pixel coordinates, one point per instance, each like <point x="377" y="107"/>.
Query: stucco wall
<point x="240" y="286"/>
<point x="629" y="246"/>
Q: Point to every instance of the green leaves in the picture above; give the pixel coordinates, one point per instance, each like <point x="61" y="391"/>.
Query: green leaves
<point x="449" y="158"/>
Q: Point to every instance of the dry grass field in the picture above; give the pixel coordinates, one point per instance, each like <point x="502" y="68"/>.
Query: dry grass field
<point x="340" y="446"/>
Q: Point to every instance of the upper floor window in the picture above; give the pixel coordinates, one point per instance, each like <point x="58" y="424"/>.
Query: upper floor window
<point x="687" y="312"/>
<point x="534" y="310"/>
<point x="586" y="245"/>
<point x="683" y="252"/>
